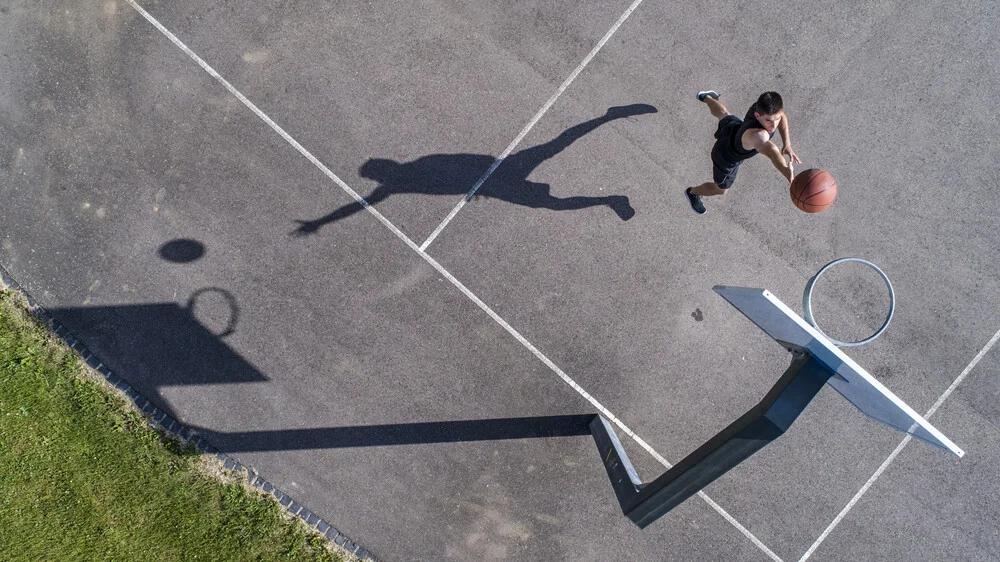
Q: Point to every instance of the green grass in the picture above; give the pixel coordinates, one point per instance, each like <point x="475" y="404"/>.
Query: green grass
<point x="83" y="477"/>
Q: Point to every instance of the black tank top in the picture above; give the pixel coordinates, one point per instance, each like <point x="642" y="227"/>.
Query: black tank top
<point x="731" y="149"/>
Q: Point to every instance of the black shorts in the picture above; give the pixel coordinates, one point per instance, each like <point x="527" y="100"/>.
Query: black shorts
<point x="725" y="175"/>
<point x="723" y="171"/>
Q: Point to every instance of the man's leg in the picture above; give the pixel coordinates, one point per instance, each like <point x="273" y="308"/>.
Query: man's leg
<point x="694" y="194"/>
<point x="723" y="180"/>
<point x="708" y="188"/>
<point x="711" y="99"/>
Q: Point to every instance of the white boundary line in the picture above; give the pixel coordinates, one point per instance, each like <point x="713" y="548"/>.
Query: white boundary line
<point x="892" y="456"/>
<point x="531" y="124"/>
<point x="444" y="272"/>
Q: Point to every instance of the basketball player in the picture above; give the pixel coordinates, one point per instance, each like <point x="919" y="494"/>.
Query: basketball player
<point x="739" y="139"/>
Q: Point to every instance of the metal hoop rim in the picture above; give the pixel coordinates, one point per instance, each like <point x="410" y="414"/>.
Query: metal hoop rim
<point x="807" y="302"/>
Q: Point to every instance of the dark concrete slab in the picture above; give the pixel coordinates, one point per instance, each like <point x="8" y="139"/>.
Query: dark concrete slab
<point x="340" y="365"/>
<point x="367" y="386"/>
<point x="675" y="363"/>
<point x="605" y="297"/>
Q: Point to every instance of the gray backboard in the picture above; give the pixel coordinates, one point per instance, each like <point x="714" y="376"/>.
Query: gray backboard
<point x="851" y="381"/>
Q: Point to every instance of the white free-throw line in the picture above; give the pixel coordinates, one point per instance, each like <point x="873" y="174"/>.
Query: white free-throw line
<point x="836" y="520"/>
<point x="531" y="124"/>
<point x="444" y="272"/>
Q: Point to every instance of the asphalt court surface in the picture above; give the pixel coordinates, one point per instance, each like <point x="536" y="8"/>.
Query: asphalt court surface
<point x="346" y="340"/>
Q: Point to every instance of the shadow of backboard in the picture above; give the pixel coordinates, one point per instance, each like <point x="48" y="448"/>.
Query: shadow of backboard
<point x="157" y="345"/>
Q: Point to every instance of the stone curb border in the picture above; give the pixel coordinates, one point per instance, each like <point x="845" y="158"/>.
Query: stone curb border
<point x="173" y="427"/>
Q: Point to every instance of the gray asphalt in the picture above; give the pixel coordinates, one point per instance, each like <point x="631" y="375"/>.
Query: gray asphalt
<point x="314" y="345"/>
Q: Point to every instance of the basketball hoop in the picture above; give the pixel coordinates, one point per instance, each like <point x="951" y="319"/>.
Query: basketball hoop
<point x="807" y="303"/>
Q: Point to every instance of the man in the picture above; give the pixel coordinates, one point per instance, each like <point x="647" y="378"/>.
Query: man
<point x="739" y="139"/>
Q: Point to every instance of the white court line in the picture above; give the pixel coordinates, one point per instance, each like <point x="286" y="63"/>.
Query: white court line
<point x="892" y="456"/>
<point x="444" y="272"/>
<point x="531" y="124"/>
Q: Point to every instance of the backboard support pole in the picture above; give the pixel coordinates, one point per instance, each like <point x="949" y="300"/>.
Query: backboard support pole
<point x="762" y="424"/>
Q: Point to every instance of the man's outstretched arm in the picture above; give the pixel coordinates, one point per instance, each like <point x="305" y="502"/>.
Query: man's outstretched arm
<point x="786" y="140"/>
<point x="771" y="151"/>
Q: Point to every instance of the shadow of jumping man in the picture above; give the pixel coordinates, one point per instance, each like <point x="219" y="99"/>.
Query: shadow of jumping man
<point x="456" y="174"/>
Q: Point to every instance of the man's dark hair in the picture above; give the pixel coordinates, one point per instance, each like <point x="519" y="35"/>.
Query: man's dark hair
<point x="768" y="103"/>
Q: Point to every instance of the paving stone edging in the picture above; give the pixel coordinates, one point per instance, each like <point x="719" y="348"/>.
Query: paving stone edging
<point x="173" y="427"/>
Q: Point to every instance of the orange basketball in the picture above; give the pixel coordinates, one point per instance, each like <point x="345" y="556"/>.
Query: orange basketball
<point x="813" y="190"/>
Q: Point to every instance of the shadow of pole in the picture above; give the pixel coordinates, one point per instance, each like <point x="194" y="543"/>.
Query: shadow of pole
<point x="400" y="434"/>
